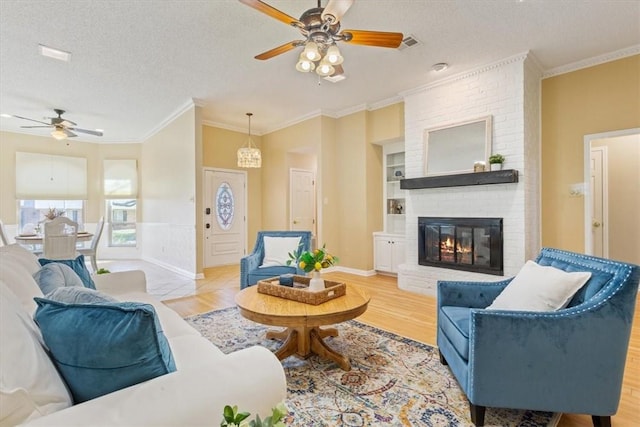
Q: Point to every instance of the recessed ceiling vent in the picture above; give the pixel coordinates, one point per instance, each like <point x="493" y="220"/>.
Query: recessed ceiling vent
<point x="408" y="41"/>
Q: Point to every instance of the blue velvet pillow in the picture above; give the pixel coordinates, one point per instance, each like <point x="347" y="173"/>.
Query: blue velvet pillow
<point x="78" y="295"/>
<point x="104" y="347"/>
<point x="77" y="265"/>
<point x="56" y="275"/>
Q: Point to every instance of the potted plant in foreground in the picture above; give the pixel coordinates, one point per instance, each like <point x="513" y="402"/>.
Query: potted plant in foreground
<point x="496" y="161"/>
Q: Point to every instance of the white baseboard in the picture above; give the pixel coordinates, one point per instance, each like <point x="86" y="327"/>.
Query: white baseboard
<point x="175" y="269"/>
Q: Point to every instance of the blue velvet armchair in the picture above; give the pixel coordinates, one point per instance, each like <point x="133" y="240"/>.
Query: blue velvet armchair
<point x="571" y="360"/>
<point x="250" y="270"/>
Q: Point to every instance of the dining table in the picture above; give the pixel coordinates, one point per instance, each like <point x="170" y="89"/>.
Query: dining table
<point x="34" y="241"/>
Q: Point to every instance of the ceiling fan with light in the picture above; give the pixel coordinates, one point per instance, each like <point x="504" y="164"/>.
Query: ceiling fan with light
<point x="320" y="28"/>
<point x="63" y="128"/>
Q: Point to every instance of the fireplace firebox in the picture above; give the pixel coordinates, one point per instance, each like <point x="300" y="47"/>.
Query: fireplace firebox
<point x="469" y="244"/>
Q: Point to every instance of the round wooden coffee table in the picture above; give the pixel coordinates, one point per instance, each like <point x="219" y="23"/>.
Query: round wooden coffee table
<point x="303" y="336"/>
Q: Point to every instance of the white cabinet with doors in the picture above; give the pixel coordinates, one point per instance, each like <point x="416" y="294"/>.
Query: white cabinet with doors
<point x="388" y="245"/>
<point x="388" y="252"/>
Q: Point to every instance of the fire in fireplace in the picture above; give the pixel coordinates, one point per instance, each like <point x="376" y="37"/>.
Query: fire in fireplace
<point x="470" y="244"/>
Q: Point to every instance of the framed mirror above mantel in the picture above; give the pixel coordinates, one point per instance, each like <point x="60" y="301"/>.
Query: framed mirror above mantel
<point x="456" y="147"/>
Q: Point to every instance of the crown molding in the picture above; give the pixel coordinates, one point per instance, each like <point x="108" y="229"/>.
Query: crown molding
<point x="297" y="120"/>
<point x="385" y="102"/>
<point x="229" y="127"/>
<point x="466" y="74"/>
<point x="181" y="110"/>
<point x="590" y="62"/>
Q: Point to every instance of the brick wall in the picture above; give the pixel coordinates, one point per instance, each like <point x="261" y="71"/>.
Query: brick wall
<point x="507" y="90"/>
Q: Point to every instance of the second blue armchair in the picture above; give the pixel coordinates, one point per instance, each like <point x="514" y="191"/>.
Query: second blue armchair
<point x="250" y="266"/>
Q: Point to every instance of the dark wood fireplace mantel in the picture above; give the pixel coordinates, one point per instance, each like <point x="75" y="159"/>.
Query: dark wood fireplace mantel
<point x="460" y="180"/>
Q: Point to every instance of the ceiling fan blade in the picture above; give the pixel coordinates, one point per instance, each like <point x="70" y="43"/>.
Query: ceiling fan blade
<point x="33" y="127"/>
<point x="67" y="123"/>
<point x="32" y="120"/>
<point x="69" y="133"/>
<point x="272" y="12"/>
<point x="372" y="38"/>
<point x="280" y="49"/>
<point x="90" y="132"/>
<point x="336" y="9"/>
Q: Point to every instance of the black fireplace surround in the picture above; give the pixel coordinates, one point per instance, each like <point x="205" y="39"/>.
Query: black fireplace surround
<point x="469" y="244"/>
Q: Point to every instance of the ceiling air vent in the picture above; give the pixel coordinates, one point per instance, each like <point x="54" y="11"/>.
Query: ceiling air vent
<point x="408" y="41"/>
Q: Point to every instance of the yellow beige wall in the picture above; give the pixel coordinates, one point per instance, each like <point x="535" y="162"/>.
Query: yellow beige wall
<point x="169" y="192"/>
<point x="623" y="160"/>
<point x="11" y="142"/>
<point x="220" y="148"/>
<point x="302" y="138"/>
<point x="598" y="99"/>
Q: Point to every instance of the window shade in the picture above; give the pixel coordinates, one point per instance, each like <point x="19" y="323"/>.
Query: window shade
<point x="44" y="176"/>
<point x="120" y="179"/>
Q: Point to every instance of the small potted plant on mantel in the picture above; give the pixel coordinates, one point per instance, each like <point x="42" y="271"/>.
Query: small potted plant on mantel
<point x="496" y="161"/>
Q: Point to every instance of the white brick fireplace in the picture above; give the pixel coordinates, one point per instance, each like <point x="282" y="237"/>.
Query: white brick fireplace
<point x="509" y="91"/>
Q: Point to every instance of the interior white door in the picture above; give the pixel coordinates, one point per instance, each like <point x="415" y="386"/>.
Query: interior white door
<point x="598" y="201"/>
<point x="224" y="217"/>
<point x="302" y="197"/>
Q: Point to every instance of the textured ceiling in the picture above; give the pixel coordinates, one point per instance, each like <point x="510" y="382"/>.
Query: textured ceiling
<point x="136" y="63"/>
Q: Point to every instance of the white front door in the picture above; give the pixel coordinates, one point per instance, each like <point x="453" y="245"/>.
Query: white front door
<point x="303" y="200"/>
<point x="598" y="200"/>
<point x="225" y="217"/>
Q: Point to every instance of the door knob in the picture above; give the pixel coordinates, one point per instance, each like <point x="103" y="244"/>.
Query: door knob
<point x="596" y="224"/>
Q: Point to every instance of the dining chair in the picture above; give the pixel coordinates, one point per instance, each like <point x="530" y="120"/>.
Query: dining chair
<point x="91" y="251"/>
<point x="3" y="235"/>
<point x="60" y="235"/>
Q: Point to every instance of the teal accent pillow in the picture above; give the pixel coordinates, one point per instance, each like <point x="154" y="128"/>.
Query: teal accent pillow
<point x="78" y="295"/>
<point x="77" y="265"/>
<point x="56" y="275"/>
<point x="104" y="347"/>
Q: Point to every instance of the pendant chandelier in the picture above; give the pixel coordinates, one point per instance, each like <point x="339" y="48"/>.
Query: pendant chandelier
<point x="249" y="155"/>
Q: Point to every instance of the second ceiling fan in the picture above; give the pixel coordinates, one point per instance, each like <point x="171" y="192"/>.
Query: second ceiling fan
<point x="321" y="30"/>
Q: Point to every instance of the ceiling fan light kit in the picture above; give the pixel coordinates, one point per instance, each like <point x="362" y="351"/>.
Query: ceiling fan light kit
<point x="62" y="128"/>
<point x="321" y="30"/>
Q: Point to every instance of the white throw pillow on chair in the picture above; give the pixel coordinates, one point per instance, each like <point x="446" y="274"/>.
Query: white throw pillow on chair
<point x="277" y="249"/>
<point x="540" y="288"/>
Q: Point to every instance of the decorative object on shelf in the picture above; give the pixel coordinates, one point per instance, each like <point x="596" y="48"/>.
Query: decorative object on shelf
<point x="399" y="175"/>
<point x="496" y="161"/>
<point x="249" y="155"/>
<point x="313" y="262"/>
<point x="231" y="417"/>
<point x="479" y="166"/>
<point x="102" y="271"/>
<point x="320" y="28"/>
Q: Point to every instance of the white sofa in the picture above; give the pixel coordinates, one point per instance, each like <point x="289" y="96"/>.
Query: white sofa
<point x="205" y="380"/>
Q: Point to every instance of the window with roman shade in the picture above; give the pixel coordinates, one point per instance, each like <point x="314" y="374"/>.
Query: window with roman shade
<point x="120" y="179"/>
<point x="50" y="177"/>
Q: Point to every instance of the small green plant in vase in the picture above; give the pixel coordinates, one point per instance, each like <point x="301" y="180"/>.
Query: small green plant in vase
<point x="496" y="161"/>
<point x="313" y="262"/>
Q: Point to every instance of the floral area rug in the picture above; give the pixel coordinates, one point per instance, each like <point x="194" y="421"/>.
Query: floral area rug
<point x="394" y="381"/>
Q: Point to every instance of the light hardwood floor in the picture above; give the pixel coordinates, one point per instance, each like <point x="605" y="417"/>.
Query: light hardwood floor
<point x="410" y="315"/>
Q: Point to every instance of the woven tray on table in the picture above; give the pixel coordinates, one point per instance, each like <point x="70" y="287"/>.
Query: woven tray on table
<point x="299" y="291"/>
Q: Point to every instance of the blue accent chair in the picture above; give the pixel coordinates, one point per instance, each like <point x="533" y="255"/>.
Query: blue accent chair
<point x="250" y="271"/>
<point x="571" y="360"/>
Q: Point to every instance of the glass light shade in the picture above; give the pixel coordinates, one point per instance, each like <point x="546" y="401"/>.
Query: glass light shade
<point x="333" y="55"/>
<point x="304" y="65"/>
<point x="249" y="157"/>
<point x="311" y="52"/>
<point x="325" y="69"/>
<point x="59" y="134"/>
